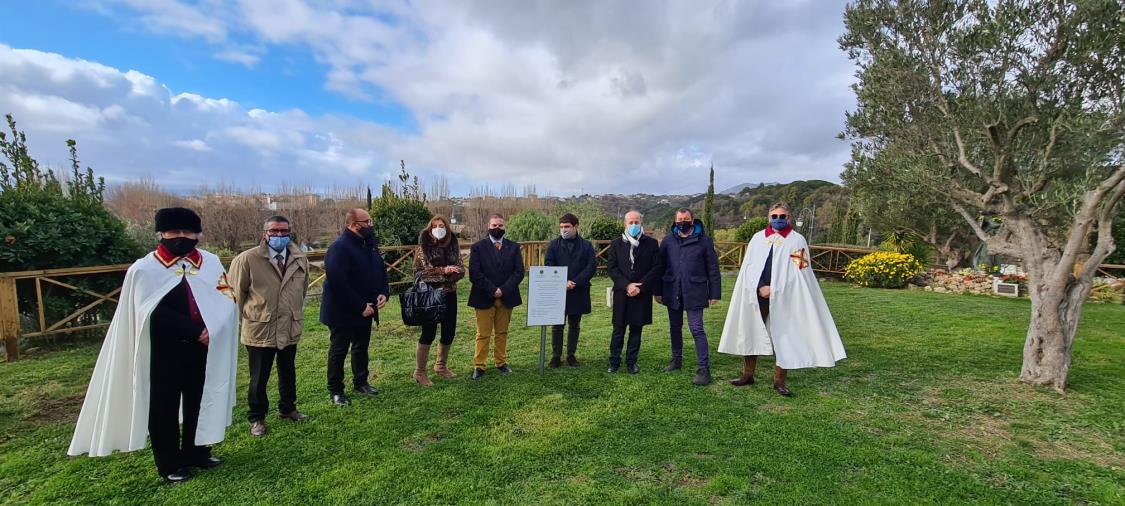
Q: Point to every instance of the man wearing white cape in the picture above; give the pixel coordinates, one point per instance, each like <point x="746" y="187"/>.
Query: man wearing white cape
<point x="776" y="275"/>
<point x="169" y="355"/>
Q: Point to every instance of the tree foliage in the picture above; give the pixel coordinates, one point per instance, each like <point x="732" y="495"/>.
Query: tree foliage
<point x="49" y="223"/>
<point x="1007" y="108"/>
<point x="747" y="229"/>
<point x="400" y="212"/>
<point x="709" y="204"/>
<point x="531" y="225"/>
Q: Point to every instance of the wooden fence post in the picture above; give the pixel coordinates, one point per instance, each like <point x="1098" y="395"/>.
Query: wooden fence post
<point x="10" y="318"/>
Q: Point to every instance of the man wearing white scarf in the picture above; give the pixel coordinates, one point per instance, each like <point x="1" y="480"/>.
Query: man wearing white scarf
<point x="635" y="266"/>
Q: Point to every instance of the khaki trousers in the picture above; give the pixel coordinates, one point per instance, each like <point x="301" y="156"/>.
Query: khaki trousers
<point x="492" y="321"/>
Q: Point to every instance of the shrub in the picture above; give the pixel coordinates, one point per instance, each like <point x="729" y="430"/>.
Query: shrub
<point x="48" y="223"/>
<point x="725" y="235"/>
<point x="531" y="225"/>
<point x="398" y="220"/>
<point x="603" y="228"/>
<point x="750" y="227"/>
<point x="883" y="269"/>
<point x="45" y="224"/>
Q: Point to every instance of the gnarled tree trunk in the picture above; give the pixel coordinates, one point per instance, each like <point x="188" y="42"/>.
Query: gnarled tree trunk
<point x="1055" y="312"/>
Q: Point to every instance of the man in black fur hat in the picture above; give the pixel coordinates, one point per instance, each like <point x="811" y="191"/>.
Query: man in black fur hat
<point x="170" y="350"/>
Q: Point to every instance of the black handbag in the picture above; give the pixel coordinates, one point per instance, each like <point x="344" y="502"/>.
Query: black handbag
<point x="422" y="303"/>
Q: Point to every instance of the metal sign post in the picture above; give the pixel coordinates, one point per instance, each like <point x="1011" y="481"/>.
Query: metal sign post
<point x="546" y="303"/>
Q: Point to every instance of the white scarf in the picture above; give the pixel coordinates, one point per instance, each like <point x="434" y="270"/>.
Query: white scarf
<point x="633" y="243"/>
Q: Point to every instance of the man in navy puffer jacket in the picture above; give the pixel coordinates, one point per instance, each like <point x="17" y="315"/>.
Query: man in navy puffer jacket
<point x="691" y="283"/>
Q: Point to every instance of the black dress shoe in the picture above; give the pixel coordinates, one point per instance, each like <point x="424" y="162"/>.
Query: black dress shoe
<point x="555" y="363"/>
<point x="505" y="369"/>
<point x="634" y="369"/>
<point x="674" y="365"/>
<point x="573" y="362"/>
<point x="478" y="373"/>
<point x="207" y="463"/>
<point x="181" y="475"/>
<point x="702" y="377"/>
<point x="612" y="369"/>
<point x="340" y="400"/>
<point x="367" y="390"/>
<point x="782" y="390"/>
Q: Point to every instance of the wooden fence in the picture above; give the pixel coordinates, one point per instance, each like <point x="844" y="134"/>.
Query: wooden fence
<point x="91" y="309"/>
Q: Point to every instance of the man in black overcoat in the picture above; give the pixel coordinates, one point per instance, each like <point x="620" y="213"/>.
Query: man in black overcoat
<point x="635" y="265"/>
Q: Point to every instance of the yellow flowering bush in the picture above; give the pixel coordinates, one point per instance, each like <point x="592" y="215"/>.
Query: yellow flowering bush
<point x="883" y="269"/>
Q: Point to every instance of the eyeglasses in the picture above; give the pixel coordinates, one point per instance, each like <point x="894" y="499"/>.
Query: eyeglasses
<point x="277" y="233"/>
<point x="776" y="216"/>
<point x="365" y="222"/>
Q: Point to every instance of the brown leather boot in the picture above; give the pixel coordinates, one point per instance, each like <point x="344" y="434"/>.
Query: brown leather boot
<point x="749" y="363"/>
<point x="422" y="359"/>
<point x="441" y="364"/>
<point x="779" y="376"/>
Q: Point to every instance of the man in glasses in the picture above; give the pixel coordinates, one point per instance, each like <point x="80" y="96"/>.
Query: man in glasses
<point x="355" y="289"/>
<point x="271" y="280"/>
<point x="777" y="307"/>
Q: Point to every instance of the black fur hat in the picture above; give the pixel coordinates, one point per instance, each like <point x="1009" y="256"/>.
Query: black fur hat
<point x="177" y="218"/>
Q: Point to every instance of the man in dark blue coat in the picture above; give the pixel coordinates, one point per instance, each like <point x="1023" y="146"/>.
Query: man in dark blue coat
<point x="691" y="283"/>
<point x="577" y="255"/>
<point x="495" y="272"/>
<point x="355" y="289"/>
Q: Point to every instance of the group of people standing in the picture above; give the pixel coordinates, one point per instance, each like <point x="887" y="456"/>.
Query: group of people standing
<point x="171" y="347"/>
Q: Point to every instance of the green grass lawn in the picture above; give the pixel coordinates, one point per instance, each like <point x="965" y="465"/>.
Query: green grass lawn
<point x="926" y="409"/>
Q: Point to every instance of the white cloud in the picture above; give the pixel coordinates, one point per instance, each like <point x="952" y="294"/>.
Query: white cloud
<point x="129" y="125"/>
<point x="610" y="96"/>
<point x="244" y="58"/>
<point x="193" y="144"/>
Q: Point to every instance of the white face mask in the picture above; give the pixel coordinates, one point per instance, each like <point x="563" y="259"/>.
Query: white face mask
<point x="439" y="233"/>
<point x="567" y="234"/>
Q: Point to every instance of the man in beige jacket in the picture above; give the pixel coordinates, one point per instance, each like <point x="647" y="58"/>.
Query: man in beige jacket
<point x="271" y="281"/>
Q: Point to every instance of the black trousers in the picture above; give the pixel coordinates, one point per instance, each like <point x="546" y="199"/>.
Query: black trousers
<point x="448" y="323"/>
<point x="631" y="351"/>
<point x="261" y="361"/>
<point x="340" y="339"/>
<point x="178" y="373"/>
<point x="575" y="326"/>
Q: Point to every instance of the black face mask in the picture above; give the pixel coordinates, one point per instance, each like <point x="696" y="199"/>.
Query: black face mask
<point x="496" y="233"/>
<point x="367" y="232"/>
<point x="179" y="246"/>
<point x="685" y="226"/>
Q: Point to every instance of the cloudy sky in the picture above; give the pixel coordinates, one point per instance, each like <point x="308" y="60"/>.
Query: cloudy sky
<point x="573" y="96"/>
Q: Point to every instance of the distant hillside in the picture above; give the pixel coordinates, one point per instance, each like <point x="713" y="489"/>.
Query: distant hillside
<point x="731" y="210"/>
<point x="734" y="190"/>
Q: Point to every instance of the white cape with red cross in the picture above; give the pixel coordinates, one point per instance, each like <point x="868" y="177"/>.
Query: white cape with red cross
<point x="800" y="330"/>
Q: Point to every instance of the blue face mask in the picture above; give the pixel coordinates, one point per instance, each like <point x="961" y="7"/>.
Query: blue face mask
<point x="779" y="223"/>
<point x="633" y="230"/>
<point x="278" y="243"/>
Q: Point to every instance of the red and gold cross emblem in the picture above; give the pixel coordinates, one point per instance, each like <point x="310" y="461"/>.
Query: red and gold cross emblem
<point x="800" y="258"/>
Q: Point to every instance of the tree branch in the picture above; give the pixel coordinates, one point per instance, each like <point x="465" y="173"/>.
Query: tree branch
<point x="998" y="245"/>
<point x="962" y="155"/>
<point x="1086" y="216"/>
<point x="1041" y="182"/>
<point x="1105" y="243"/>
